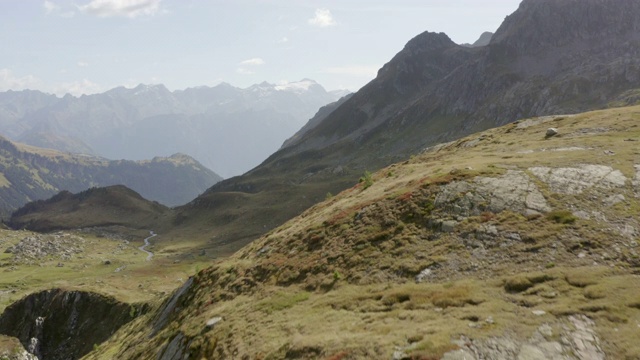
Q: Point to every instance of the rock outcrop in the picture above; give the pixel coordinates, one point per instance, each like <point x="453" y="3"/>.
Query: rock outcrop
<point x="62" y="325"/>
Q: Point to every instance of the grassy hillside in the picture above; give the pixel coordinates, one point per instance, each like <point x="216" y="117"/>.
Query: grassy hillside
<point x="504" y="244"/>
<point x="97" y="207"/>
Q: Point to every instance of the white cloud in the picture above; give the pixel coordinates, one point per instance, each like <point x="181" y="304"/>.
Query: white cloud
<point x="283" y="40"/>
<point x="125" y="8"/>
<point x="77" y="88"/>
<point x="362" y="71"/>
<point x="244" y="71"/>
<point x="83" y="64"/>
<point x="253" y="62"/>
<point x="50" y="7"/>
<point x="8" y="81"/>
<point x="323" y="18"/>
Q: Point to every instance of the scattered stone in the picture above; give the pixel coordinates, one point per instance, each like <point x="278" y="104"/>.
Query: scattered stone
<point x="33" y="248"/>
<point x="551" y="132"/>
<point x="609" y="152"/>
<point x="614" y="199"/>
<point x="424" y="274"/>
<point x="211" y="323"/>
<point x="60" y="264"/>
<point x="449" y="226"/>
<point x="538" y="312"/>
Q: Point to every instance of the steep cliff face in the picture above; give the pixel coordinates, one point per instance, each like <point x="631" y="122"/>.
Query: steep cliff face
<point x="62" y="325"/>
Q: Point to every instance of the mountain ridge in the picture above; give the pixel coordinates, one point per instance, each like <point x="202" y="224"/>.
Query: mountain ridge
<point x="432" y="91"/>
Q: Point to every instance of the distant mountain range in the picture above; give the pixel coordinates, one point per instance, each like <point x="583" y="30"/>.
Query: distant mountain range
<point x="28" y="173"/>
<point x="226" y="128"/>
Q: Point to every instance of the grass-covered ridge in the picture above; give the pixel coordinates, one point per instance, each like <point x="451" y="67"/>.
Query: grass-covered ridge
<point x="503" y="235"/>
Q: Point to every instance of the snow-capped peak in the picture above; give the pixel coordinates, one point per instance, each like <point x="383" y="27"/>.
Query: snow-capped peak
<point x="297" y="87"/>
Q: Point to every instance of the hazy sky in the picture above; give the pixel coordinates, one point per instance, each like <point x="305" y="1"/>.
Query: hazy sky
<point x="88" y="46"/>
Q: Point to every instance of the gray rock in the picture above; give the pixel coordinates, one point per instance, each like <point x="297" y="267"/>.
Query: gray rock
<point x="460" y="354"/>
<point x="424" y="274"/>
<point x="614" y="199"/>
<point x="512" y="191"/>
<point x="530" y="352"/>
<point x="575" y="180"/>
<point x="449" y="226"/>
<point x="211" y="323"/>
<point x="551" y="132"/>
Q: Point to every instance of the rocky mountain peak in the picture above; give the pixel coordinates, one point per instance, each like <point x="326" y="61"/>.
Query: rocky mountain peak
<point x="428" y="42"/>
<point x="483" y="40"/>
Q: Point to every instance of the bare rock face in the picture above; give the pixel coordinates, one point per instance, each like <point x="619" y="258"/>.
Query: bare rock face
<point x="512" y="191"/>
<point x="578" y="179"/>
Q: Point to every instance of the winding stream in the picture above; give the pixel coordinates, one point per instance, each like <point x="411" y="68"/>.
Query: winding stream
<point x="146" y="243"/>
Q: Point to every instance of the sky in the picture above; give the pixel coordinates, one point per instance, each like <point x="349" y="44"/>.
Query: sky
<point x="90" y="46"/>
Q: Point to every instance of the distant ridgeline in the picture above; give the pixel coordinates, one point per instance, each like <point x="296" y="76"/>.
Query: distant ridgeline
<point x="28" y="173"/>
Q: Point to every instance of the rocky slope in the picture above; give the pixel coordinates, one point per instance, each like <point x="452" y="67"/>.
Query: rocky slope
<point x="28" y="174"/>
<point x="549" y="57"/>
<point x="514" y="243"/>
<point x="228" y="129"/>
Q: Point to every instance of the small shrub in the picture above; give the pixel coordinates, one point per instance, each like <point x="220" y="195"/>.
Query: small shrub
<point x="562" y="217"/>
<point x="366" y="180"/>
<point x="336" y="275"/>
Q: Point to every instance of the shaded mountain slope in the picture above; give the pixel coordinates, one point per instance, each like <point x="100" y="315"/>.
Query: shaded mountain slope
<point x="548" y="57"/>
<point x="507" y="244"/>
<point x="110" y="206"/>
<point x="28" y="173"/>
<point x="96" y="207"/>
